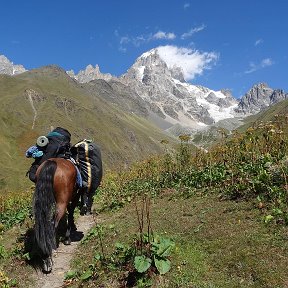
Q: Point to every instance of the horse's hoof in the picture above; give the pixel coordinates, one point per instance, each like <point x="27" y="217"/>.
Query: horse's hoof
<point x="83" y="210"/>
<point x="47" y="265"/>
<point x="89" y="211"/>
<point x="67" y="241"/>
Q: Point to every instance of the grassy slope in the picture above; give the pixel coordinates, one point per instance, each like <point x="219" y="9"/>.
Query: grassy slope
<point x="280" y="108"/>
<point x="218" y="243"/>
<point x="60" y="101"/>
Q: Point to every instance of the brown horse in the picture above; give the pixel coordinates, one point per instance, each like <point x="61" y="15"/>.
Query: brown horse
<point x="55" y="192"/>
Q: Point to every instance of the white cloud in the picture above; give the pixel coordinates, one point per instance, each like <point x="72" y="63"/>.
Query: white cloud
<point x="124" y="40"/>
<point x="192" y="31"/>
<point x="122" y="49"/>
<point x="136" y="41"/>
<point x="186" y="5"/>
<point x="141" y="39"/>
<point x="254" y="67"/>
<point x="193" y="62"/>
<point x="258" y="42"/>
<point x="164" y="35"/>
<point x="266" y="62"/>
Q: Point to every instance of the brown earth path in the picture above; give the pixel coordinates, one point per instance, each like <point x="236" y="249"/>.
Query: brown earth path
<point x="63" y="256"/>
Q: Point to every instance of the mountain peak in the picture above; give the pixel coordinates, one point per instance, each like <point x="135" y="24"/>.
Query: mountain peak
<point x="259" y="97"/>
<point x="149" y="53"/>
<point x="260" y="85"/>
<point x="151" y="63"/>
<point x="150" y="58"/>
<point x="168" y="95"/>
<point x="155" y="58"/>
<point x="7" y="67"/>
<point x="158" y="81"/>
<point x="89" y="73"/>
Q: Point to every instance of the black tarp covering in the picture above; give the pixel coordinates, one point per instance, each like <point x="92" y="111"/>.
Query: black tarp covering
<point x="88" y="156"/>
<point x="59" y="143"/>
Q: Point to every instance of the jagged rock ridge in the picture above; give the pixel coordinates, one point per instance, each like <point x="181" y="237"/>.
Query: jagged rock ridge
<point x="259" y="97"/>
<point x="169" y="97"/>
<point x="90" y="73"/>
<point x="8" y="68"/>
<point x="161" y="93"/>
<point x="172" y="98"/>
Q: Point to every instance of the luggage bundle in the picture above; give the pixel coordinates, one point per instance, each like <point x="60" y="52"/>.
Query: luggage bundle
<point x="57" y="144"/>
<point x="88" y="157"/>
<point x="85" y="155"/>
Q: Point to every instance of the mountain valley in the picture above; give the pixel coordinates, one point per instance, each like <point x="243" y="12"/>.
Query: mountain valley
<point x="127" y="115"/>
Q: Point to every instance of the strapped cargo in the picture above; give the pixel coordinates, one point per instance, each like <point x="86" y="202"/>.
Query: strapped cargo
<point x="88" y="157"/>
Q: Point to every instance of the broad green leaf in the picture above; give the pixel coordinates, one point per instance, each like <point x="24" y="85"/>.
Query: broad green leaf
<point x="162" y="265"/>
<point x="70" y="275"/>
<point x="162" y="246"/>
<point x="142" y="263"/>
<point x="86" y="275"/>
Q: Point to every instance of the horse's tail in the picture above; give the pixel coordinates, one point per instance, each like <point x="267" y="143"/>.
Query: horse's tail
<point x="43" y="203"/>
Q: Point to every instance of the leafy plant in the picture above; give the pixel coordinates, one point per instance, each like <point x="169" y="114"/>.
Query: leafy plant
<point x="147" y="255"/>
<point x="142" y="263"/>
<point x="161" y="250"/>
<point x="86" y="275"/>
<point x="157" y="252"/>
<point x="70" y="275"/>
<point x="14" y="209"/>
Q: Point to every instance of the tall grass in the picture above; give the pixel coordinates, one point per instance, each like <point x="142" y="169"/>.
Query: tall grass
<point x="246" y="165"/>
<point x="14" y="208"/>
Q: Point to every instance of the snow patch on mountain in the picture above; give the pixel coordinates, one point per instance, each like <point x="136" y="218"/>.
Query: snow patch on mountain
<point x="162" y="85"/>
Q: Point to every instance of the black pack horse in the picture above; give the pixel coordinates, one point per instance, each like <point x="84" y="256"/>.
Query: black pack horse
<point x="55" y="193"/>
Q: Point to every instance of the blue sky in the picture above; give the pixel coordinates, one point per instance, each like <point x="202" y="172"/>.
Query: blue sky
<point x="220" y="43"/>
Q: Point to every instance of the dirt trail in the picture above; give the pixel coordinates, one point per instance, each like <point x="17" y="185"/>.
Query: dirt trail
<point x="63" y="256"/>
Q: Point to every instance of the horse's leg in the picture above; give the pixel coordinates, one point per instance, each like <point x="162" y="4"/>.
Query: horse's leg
<point x="71" y="227"/>
<point x="91" y="194"/>
<point x="47" y="264"/>
<point x="84" y="202"/>
<point x="70" y="224"/>
<point x="67" y="239"/>
<point x="59" y="214"/>
<point x="71" y="208"/>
